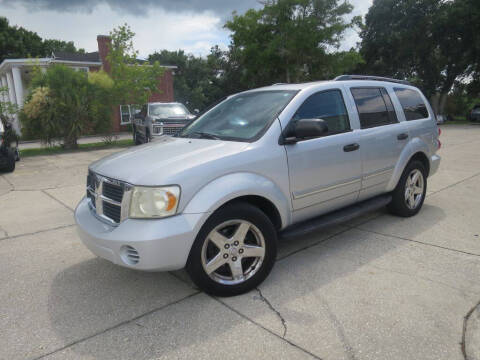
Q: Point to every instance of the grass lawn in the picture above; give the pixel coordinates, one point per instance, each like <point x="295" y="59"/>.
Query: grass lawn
<point x="81" y="147"/>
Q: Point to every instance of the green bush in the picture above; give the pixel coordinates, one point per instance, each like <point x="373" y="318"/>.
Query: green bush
<point x="64" y="104"/>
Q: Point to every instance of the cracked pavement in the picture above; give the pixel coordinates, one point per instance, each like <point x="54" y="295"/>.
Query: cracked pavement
<point x="378" y="287"/>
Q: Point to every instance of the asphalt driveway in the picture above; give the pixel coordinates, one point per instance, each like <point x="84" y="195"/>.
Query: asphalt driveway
<point x="379" y="287"/>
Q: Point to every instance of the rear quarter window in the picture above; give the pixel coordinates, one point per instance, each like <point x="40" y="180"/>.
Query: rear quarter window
<point x="412" y="103"/>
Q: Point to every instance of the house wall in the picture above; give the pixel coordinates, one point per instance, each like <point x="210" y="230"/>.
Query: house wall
<point x="165" y="83"/>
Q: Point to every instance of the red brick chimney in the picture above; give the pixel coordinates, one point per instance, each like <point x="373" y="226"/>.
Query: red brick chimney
<point x="104" y="43"/>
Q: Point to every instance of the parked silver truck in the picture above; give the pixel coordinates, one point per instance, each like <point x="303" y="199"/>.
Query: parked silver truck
<point x="157" y="119"/>
<point x="278" y="161"/>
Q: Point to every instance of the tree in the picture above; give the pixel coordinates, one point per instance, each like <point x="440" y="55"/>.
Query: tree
<point x="197" y="80"/>
<point x="7" y="112"/>
<point x="17" y="42"/>
<point x="290" y="40"/>
<point x="433" y="43"/>
<point x="134" y="81"/>
<point x="51" y="46"/>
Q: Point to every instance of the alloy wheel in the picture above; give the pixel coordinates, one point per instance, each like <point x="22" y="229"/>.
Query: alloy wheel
<point x="414" y="189"/>
<point x="233" y="252"/>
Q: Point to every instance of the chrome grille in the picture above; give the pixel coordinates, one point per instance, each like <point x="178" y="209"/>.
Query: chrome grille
<point x="109" y="198"/>
<point x="113" y="191"/>
<point x="172" y="130"/>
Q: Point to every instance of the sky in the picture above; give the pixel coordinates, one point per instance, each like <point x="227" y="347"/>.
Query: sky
<point x="192" y="25"/>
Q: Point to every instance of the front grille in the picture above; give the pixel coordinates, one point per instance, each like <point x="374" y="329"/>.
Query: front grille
<point x="113" y="191"/>
<point x="112" y="211"/>
<point x="172" y="130"/>
<point x="107" y="197"/>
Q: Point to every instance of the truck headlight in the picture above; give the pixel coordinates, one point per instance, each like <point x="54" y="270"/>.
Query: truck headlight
<point x="150" y="202"/>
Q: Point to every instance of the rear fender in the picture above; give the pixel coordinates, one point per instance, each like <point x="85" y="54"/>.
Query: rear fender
<point x="414" y="146"/>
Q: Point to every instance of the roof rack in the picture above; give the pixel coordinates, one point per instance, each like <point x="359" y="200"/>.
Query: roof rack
<point x="367" y="77"/>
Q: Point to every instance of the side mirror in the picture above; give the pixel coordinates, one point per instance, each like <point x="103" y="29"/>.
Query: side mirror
<point x="306" y="129"/>
<point x="196" y="111"/>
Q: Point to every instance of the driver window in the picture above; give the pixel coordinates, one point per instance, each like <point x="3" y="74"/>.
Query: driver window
<point x="329" y="106"/>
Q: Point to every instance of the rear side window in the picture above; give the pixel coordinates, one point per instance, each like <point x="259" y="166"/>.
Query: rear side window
<point x="329" y="106"/>
<point x="374" y="107"/>
<point x="412" y="103"/>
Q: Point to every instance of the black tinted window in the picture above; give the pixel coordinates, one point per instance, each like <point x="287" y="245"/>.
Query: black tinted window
<point x="374" y="107"/>
<point x="326" y="105"/>
<point x="412" y="104"/>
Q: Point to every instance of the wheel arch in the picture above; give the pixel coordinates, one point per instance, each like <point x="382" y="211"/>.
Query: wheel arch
<point x="248" y="187"/>
<point x="415" y="150"/>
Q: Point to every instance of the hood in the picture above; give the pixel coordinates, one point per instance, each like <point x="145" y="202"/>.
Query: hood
<point x="165" y="161"/>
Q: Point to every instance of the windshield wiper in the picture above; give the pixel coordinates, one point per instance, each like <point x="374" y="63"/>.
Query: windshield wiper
<point x="205" y="135"/>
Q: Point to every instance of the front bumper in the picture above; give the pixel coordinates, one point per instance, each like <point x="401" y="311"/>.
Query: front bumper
<point x="162" y="244"/>
<point x="434" y="164"/>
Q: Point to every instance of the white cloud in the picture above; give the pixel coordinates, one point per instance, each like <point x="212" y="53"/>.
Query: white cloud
<point x="194" y="33"/>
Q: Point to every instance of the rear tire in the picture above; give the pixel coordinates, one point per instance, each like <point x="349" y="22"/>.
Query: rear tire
<point x="234" y="251"/>
<point x="409" y="194"/>
<point x="10" y="167"/>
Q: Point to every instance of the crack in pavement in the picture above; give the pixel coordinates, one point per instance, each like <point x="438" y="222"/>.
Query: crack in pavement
<point x="266" y="329"/>
<point x="57" y="200"/>
<point x="464" y="331"/>
<point x="339" y="329"/>
<point x="454" y="184"/>
<point x="279" y="315"/>
<point x="36" y="232"/>
<point x="419" y="242"/>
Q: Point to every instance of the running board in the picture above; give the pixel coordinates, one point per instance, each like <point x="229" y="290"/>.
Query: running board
<point x="336" y="217"/>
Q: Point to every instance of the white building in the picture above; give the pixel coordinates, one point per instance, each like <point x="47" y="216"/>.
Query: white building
<point x="14" y="73"/>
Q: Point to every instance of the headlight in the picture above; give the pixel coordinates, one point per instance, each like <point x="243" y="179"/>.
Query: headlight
<point x="149" y="202"/>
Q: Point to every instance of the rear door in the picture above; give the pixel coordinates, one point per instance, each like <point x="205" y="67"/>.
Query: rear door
<point x="325" y="172"/>
<point x="382" y="137"/>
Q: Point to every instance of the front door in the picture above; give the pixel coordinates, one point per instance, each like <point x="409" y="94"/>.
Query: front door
<point x="325" y="172"/>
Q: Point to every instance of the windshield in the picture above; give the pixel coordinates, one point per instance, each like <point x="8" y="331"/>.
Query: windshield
<point x="241" y="117"/>
<point x="476" y="111"/>
<point x="167" y="110"/>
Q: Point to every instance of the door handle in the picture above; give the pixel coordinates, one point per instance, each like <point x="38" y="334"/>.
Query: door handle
<point x="351" y="147"/>
<point x="402" y="136"/>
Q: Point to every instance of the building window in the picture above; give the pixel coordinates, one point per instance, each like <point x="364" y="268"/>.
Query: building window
<point x="125" y="117"/>
<point x="81" y="68"/>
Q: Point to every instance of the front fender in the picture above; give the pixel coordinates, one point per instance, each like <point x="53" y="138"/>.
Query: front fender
<point x="231" y="186"/>
<point x="414" y="146"/>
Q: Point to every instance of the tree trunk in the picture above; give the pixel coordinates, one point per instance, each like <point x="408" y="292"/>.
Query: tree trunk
<point x="443" y="101"/>
<point x="70" y="142"/>
<point x="435" y="103"/>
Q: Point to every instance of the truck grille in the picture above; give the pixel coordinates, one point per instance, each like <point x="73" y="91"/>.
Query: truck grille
<point x="108" y="197"/>
<point x="172" y="130"/>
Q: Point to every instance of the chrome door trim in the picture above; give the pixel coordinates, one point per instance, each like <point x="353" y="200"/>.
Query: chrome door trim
<point x="378" y="172"/>
<point x="301" y="195"/>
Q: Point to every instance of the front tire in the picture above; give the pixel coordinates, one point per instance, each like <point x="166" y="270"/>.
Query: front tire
<point x="234" y="251"/>
<point x="409" y="195"/>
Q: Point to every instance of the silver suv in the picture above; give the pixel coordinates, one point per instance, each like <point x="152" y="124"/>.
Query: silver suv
<point x="157" y="119"/>
<point x="278" y="161"/>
